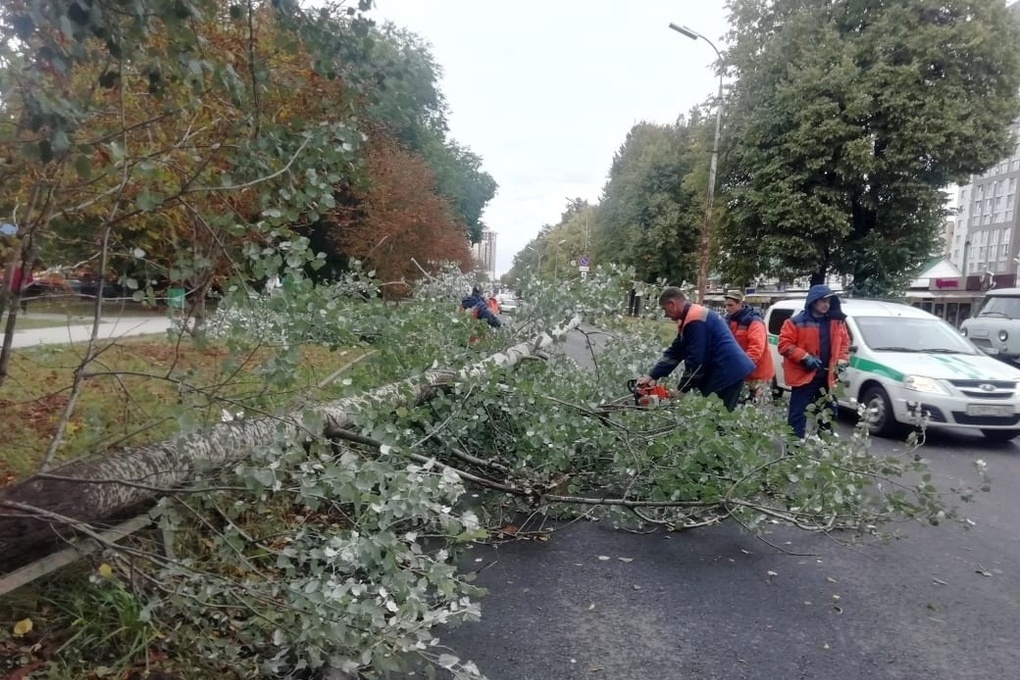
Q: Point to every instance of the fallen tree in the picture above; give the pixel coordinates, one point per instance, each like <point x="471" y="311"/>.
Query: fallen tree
<point x="47" y="508"/>
<point x="335" y="544"/>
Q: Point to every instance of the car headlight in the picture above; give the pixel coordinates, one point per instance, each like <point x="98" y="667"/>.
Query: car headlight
<point x="920" y="383"/>
<point x="963" y="331"/>
<point x="1003" y="335"/>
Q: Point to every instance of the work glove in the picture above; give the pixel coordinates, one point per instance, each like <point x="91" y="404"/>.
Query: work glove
<point x="811" y="362"/>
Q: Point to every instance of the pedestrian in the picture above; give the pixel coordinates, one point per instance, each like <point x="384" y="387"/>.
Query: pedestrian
<point x="493" y="303"/>
<point x="748" y="328"/>
<point x="815" y="347"/>
<point x="713" y="361"/>
<point x="475" y="304"/>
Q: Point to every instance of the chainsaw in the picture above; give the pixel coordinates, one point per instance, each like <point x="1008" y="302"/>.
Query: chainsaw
<point x="648" y="396"/>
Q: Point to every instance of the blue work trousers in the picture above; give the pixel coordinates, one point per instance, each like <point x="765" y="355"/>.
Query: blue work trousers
<point x="805" y="395"/>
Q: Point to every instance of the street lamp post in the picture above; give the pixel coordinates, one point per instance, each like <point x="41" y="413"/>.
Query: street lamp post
<point x="706" y="232"/>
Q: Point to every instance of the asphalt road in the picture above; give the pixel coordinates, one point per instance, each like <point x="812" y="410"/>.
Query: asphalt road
<point x="942" y="603"/>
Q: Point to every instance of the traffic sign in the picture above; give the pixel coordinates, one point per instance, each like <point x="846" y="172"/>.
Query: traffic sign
<point x="584" y="261"/>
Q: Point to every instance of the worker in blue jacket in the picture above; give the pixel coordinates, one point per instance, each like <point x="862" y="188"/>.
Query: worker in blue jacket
<point x="476" y="304"/>
<point x="713" y="361"/>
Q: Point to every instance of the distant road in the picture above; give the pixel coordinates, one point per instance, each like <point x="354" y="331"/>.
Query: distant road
<point x="76" y="332"/>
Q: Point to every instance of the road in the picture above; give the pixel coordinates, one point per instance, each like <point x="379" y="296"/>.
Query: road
<point x="942" y="603"/>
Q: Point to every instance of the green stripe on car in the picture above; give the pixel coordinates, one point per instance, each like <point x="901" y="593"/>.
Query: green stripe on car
<point x="869" y="366"/>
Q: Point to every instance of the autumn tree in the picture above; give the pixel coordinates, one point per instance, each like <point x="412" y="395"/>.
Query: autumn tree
<point x="395" y="218"/>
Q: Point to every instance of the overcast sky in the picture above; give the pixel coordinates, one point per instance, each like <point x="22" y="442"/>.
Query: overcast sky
<point x="546" y="90"/>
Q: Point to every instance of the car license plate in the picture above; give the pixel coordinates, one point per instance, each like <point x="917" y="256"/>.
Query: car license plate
<point x="989" y="410"/>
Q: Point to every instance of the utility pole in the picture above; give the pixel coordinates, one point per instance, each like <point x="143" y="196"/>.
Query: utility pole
<point x="706" y="232"/>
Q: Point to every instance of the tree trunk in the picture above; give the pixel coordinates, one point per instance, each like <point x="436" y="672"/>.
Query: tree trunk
<point x="100" y="491"/>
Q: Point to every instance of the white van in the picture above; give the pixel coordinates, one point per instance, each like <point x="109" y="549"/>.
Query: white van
<point x="995" y="329"/>
<point x="905" y="362"/>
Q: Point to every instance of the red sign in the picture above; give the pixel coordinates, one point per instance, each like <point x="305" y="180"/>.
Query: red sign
<point x="943" y="284"/>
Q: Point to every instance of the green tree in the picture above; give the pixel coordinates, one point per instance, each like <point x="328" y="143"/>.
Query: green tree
<point x="651" y="211"/>
<point x="847" y="119"/>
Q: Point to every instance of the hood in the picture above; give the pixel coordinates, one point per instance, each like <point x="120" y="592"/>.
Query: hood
<point x="745" y="315"/>
<point x="816" y="293"/>
<point x="941" y="366"/>
<point x="472" y="301"/>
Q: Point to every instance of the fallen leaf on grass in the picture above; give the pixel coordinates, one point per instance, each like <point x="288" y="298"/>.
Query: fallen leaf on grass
<point x="25" y="671"/>
<point x="23" y="627"/>
<point x="105" y="570"/>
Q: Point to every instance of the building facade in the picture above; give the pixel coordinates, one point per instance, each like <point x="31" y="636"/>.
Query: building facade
<point x="985" y="240"/>
<point x="485" y="254"/>
<point x="986" y="236"/>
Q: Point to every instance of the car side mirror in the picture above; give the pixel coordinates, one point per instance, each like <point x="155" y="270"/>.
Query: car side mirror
<point x="853" y="349"/>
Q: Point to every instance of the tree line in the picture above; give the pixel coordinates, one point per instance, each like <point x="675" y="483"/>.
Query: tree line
<point x="843" y="123"/>
<point x="193" y="142"/>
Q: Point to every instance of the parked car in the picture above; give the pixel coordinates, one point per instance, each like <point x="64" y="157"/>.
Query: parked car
<point x="995" y="329"/>
<point x="507" y="302"/>
<point x="905" y="362"/>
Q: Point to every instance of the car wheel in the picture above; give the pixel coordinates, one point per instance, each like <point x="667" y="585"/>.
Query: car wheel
<point x="1000" y="435"/>
<point x="878" y="413"/>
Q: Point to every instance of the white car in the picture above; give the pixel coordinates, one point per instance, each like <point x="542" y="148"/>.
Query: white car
<point x="507" y="302"/>
<point x="905" y="362"/>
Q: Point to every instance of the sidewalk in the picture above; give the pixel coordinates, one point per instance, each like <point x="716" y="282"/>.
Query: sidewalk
<point x="76" y="331"/>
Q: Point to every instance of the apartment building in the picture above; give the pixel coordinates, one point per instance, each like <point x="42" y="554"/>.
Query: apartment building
<point x="485" y="254"/>
<point x="986" y="236"/>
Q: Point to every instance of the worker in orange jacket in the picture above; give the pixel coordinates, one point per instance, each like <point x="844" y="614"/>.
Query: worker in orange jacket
<point x="815" y="346"/>
<point x="749" y="330"/>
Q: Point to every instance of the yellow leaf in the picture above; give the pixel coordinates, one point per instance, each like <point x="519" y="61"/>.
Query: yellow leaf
<point x="22" y="627"/>
<point x="105" y="570"/>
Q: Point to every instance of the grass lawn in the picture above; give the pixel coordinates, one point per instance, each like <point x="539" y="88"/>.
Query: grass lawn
<point x="76" y="307"/>
<point x="136" y="392"/>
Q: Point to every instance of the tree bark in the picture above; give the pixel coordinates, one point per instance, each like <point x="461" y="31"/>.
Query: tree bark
<point x="101" y="491"/>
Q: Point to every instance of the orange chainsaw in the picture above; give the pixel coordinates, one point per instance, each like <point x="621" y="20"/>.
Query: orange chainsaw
<point x="648" y="396"/>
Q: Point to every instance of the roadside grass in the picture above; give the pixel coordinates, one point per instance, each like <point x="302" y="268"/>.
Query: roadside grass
<point x="76" y="307"/>
<point x="136" y="390"/>
<point x="89" y="620"/>
<point x="664" y="328"/>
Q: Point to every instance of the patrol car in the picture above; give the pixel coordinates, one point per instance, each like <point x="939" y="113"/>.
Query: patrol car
<point x="905" y="362"/>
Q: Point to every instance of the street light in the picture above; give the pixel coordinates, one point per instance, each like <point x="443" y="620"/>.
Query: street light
<point x="538" y="266"/>
<point x="706" y="236"/>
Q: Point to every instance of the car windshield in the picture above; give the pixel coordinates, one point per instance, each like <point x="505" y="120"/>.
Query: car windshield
<point x="924" y="336"/>
<point x="1001" y="306"/>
